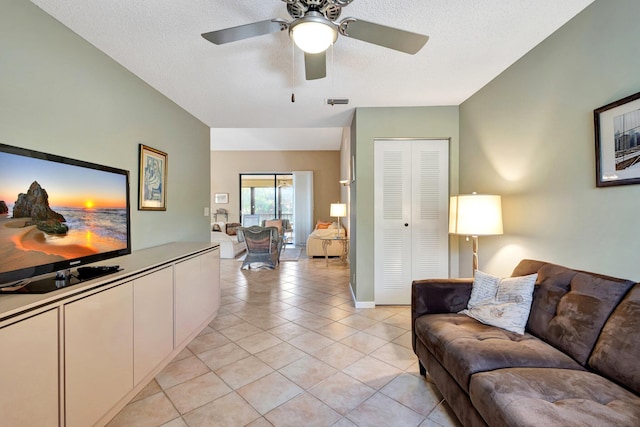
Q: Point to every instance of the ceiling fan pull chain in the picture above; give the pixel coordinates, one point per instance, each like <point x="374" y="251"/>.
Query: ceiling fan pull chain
<point x="293" y="72"/>
<point x="332" y="71"/>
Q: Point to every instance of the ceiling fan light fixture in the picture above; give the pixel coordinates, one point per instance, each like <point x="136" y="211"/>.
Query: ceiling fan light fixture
<point x="313" y="33"/>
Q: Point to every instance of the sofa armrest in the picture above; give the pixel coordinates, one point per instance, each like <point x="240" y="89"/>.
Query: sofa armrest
<point x="220" y="236"/>
<point x="432" y="296"/>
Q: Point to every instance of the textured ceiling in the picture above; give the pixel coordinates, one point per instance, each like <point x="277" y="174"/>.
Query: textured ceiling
<point x="246" y="86"/>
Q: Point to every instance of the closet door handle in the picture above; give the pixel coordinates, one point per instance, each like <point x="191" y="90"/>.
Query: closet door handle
<point x="406" y="224"/>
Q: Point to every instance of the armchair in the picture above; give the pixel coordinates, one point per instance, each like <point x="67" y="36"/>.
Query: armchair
<point x="283" y="226"/>
<point x="263" y="246"/>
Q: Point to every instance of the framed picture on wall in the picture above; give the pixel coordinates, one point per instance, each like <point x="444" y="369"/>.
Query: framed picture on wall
<point x="153" y="180"/>
<point x="617" y="134"/>
<point x="221" y="198"/>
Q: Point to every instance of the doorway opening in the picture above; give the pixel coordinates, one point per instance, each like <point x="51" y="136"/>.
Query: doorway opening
<point x="268" y="196"/>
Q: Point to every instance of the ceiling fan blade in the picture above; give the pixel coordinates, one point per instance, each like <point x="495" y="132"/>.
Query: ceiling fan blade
<point x="246" y="31"/>
<point x="315" y="65"/>
<point x="381" y="35"/>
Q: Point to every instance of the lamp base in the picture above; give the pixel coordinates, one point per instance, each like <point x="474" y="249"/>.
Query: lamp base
<point x="474" y="240"/>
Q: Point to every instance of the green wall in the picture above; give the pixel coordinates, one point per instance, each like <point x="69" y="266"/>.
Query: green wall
<point x="528" y="135"/>
<point x="372" y="123"/>
<point x="60" y="95"/>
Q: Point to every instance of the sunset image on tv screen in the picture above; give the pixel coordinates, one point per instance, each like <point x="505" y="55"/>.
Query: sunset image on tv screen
<point x="52" y="211"/>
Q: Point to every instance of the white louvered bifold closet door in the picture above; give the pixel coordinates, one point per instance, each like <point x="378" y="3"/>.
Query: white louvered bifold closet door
<point x="411" y="194"/>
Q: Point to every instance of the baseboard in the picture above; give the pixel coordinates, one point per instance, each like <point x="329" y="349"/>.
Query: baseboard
<point x="360" y="304"/>
<point x="365" y="304"/>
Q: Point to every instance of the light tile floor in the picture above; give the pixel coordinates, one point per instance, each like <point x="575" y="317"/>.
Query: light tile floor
<point x="288" y="348"/>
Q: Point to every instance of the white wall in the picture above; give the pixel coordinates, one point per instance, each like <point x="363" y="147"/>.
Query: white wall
<point x="528" y="135"/>
<point x="60" y="95"/>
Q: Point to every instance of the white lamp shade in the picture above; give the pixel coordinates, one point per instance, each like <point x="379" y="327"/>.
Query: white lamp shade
<point x="313" y="36"/>
<point x="475" y="215"/>
<point x="338" y="209"/>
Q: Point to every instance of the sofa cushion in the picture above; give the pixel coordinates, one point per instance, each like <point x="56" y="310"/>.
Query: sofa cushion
<point x="552" y="397"/>
<point x="232" y="228"/>
<point x="617" y="350"/>
<point x="570" y="307"/>
<point x="485" y="288"/>
<point x="504" y="303"/>
<point x="465" y="346"/>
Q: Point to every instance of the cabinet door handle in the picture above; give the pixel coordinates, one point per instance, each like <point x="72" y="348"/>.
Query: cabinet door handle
<point x="406" y="224"/>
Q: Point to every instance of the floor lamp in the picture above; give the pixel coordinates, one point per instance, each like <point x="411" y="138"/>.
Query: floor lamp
<point x="475" y="215"/>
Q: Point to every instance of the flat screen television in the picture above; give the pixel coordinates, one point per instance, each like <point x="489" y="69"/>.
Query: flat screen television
<point x="58" y="213"/>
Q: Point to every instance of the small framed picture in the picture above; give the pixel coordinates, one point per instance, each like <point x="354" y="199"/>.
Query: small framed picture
<point x="221" y="198"/>
<point x="153" y="180"/>
<point x="617" y="134"/>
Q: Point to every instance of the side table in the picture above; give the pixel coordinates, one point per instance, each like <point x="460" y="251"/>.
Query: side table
<point x="344" y="241"/>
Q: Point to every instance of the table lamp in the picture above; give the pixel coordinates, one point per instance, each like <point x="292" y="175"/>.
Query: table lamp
<point x="338" y="210"/>
<point x="475" y="215"/>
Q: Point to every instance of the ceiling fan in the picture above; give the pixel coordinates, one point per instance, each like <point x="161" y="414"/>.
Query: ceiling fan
<point x="314" y="28"/>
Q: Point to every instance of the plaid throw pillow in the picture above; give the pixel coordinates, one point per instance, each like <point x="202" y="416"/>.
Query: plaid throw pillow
<point x="232" y="227"/>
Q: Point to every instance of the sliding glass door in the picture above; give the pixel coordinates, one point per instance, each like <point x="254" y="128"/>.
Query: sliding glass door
<point x="267" y="196"/>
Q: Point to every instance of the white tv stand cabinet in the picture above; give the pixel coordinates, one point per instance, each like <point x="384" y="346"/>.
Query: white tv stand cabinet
<point x="78" y="355"/>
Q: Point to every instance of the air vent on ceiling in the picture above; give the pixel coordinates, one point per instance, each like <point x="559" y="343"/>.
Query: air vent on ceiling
<point x="337" y="101"/>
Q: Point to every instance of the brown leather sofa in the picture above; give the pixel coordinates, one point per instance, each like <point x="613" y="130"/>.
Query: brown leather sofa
<point x="578" y="363"/>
